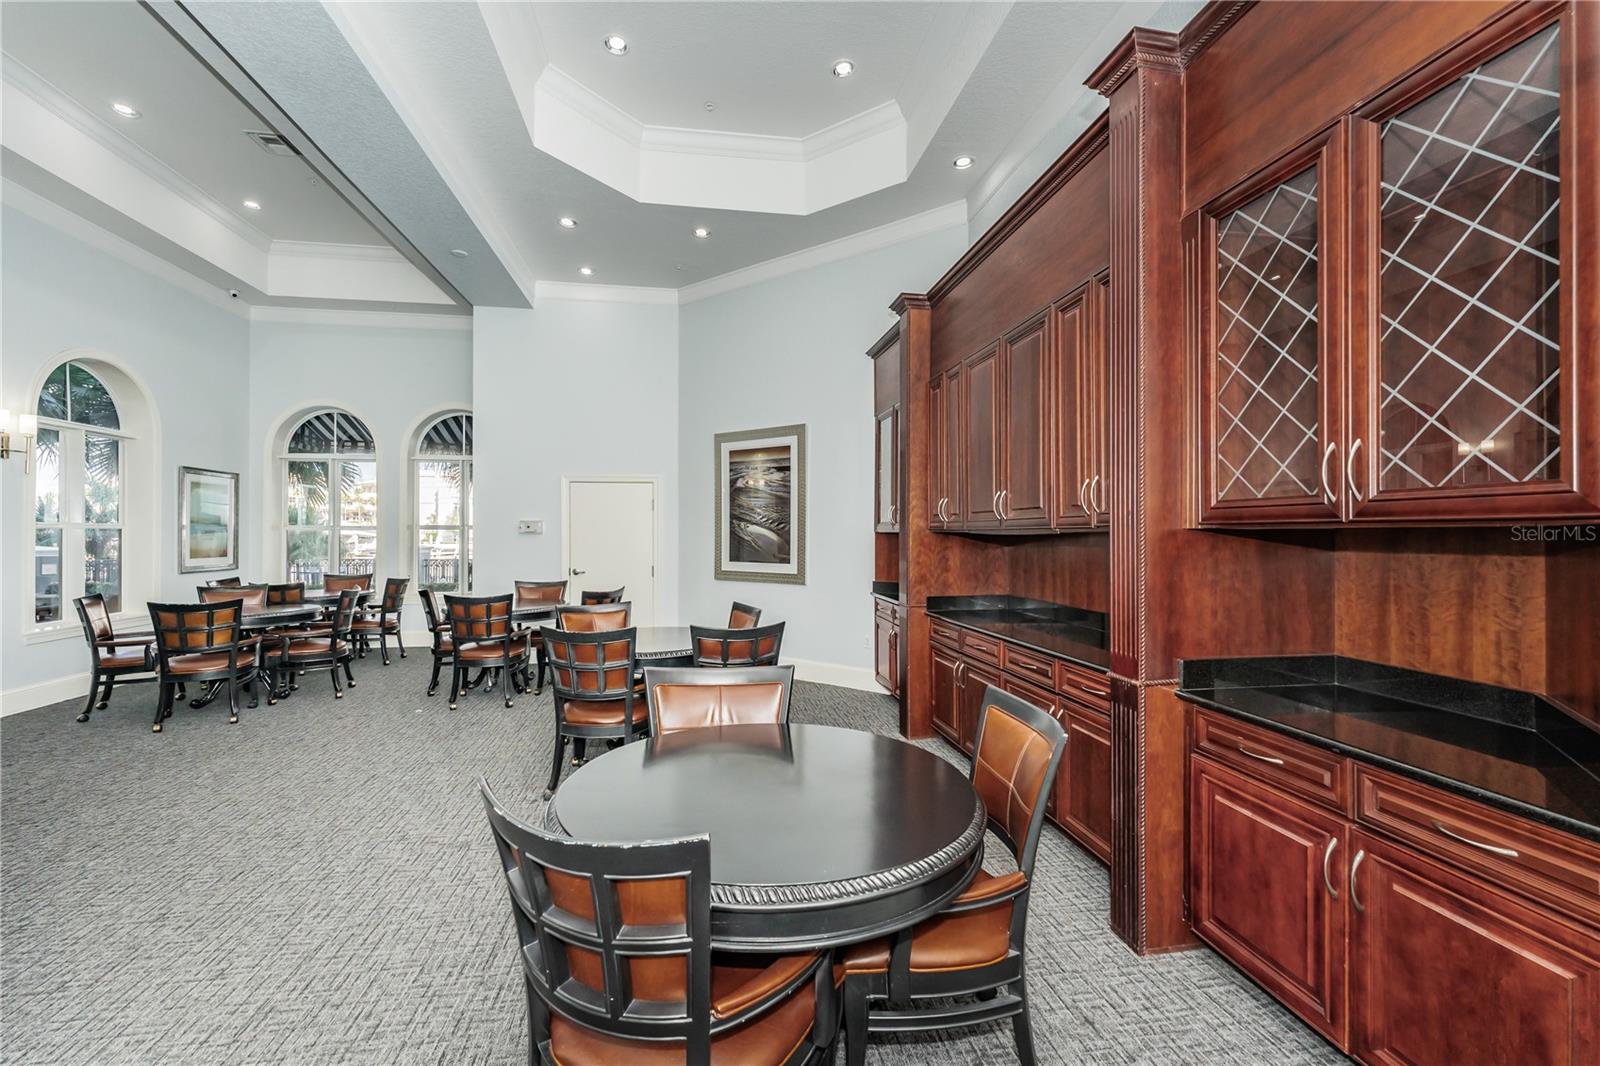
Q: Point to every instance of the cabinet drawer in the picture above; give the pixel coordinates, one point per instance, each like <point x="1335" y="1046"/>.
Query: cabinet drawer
<point x="981" y="647"/>
<point x="1085" y="686"/>
<point x="1546" y="864"/>
<point x="941" y="633"/>
<point x="1029" y="664"/>
<point x="1295" y="767"/>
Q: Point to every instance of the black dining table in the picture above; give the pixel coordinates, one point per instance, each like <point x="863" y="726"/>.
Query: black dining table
<point x="330" y="599"/>
<point x="820" y="835"/>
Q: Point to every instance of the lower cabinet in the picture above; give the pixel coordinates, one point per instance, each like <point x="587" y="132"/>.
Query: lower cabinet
<point x="1396" y="956"/>
<point x="975" y="678"/>
<point x="1083" y="788"/>
<point x="886" y="644"/>
<point x="1447" y="969"/>
<point x="1263" y="890"/>
<point x="946" y="692"/>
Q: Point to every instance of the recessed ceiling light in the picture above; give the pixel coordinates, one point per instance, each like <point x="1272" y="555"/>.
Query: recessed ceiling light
<point x="843" y="69"/>
<point x="616" y="45"/>
<point x="252" y="205"/>
<point x="711" y="105"/>
<point x="701" y="232"/>
<point x="459" y="253"/>
<point x="962" y="162"/>
<point x="126" y="110"/>
<point x="567" y="222"/>
<point x="586" y="271"/>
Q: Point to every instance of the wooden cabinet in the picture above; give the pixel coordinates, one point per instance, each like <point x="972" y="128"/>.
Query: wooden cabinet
<point x="1078" y="383"/>
<point x="979" y="478"/>
<point x="975" y="678"/>
<point x="1027" y="431"/>
<point x="1083" y="787"/>
<point x="1446" y="969"/>
<point x="1380" y="339"/>
<point x="886" y="510"/>
<point x="1264" y="890"/>
<point x="886" y="644"/>
<point x="945" y="690"/>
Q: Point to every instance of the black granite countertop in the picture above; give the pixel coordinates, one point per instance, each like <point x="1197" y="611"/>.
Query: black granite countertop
<point x="1071" y="633"/>
<point x="1510" y="749"/>
<point x="886" y="590"/>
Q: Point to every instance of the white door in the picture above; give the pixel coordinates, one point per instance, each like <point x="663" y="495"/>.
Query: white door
<point x="611" y="542"/>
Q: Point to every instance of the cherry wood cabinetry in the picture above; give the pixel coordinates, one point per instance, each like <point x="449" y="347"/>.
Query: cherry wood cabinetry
<point x="945" y="688"/>
<point x="1027" y="482"/>
<point x="1406" y="923"/>
<point x="1432" y="367"/>
<point x="886" y="493"/>
<point x="1264" y="892"/>
<point x="886" y="644"/>
<point x="983" y="428"/>
<point x="1083" y="787"/>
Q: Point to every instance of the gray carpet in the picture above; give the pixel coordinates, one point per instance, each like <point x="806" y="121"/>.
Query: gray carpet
<point x="316" y="885"/>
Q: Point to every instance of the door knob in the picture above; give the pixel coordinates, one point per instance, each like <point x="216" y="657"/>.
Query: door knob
<point x="575" y="573"/>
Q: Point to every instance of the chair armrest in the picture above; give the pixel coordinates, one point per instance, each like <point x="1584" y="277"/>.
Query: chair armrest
<point x="124" y="642"/>
<point x="743" y="993"/>
<point x="988" y="891"/>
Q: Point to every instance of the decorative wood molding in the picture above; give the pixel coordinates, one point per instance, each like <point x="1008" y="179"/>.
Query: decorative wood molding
<point x="1089" y="144"/>
<point x="1209" y="24"/>
<point x="890" y="337"/>
<point x="909" y="300"/>
<point x="1141" y="48"/>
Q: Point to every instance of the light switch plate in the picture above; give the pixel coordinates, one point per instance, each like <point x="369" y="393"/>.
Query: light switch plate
<point x="531" y="525"/>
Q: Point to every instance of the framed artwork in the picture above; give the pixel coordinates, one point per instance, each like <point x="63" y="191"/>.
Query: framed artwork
<point x="208" y="520"/>
<point x="761" y="505"/>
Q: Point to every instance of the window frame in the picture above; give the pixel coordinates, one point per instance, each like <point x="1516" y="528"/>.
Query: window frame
<point x="464" y="526"/>
<point x="335" y="525"/>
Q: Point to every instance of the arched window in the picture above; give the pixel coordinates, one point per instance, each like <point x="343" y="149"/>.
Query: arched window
<point x="77" y="493"/>
<point x="442" y="463"/>
<point x="330" y="498"/>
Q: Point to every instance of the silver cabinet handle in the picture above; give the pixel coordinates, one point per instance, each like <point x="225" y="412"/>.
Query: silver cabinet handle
<point x="1095" y="501"/>
<point x="938" y="509"/>
<point x="994" y="505"/>
<point x="1350" y="469"/>
<point x="1327" y="491"/>
<point x="1327" y="857"/>
<point x="1264" y="758"/>
<point x="1082" y="490"/>
<point x="1355" y="901"/>
<point x="1005" y="511"/>
<point x="1091" y="690"/>
<point x="1509" y="853"/>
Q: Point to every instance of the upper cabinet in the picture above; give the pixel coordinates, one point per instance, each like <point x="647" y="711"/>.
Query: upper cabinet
<point x="888" y="452"/>
<point x="1018" y="428"/>
<point x="1395" y="323"/>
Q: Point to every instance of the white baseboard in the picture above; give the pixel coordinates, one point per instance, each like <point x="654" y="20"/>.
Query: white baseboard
<point x="855" y="677"/>
<point x="43" y="694"/>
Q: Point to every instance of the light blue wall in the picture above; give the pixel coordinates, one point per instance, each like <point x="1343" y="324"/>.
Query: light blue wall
<point x="57" y="293"/>
<point x="789" y="350"/>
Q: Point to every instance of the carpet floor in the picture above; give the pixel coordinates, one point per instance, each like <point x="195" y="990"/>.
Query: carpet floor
<point x="316" y="885"/>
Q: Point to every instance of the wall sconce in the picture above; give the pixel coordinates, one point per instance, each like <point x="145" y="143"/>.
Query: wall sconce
<point x="24" y="426"/>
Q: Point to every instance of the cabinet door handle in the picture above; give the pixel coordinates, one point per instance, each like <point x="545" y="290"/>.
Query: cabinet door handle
<point x="1091" y="690"/>
<point x="994" y="505"/>
<point x="1350" y="469"/>
<point x="1327" y="857"/>
<point x="1255" y="755"/>
<point x="1355" y="901"/>
<point x="1493" y="849"/>
<point x="1327" y="491"/>
<point x="1005" y="510"/>
<point x="1095" y="499"/>
<point x="1082" y="489"/>
<point x="938" y="509"/>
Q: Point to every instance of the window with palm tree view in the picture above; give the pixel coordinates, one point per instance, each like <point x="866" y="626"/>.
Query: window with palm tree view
<point x="443" y="466"/>
<point x="331" y="498"/>
<point x="77" y="493"/>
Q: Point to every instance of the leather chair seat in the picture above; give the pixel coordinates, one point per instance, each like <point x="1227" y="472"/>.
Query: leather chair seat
<point x="316" y="648"/>
<point x="445" y="642"/>
<point x="123" y="659"/>
<point x="491" y="650"/>
<point x="770" y="1038"/>
<point x="372" y="625"/>
<point x="208" y="662"/>
<point x="947" y="942"/>
<point x="605" y="712"/>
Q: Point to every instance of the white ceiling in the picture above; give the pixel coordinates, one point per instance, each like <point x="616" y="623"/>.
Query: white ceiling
<point x="98" y="52"/>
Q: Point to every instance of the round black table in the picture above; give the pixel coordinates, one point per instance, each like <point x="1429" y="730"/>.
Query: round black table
<point x="652" y="644"/>
<point x="255" y="619"/>
<point x="331" y="599"/>
<point x="819" y="835"/>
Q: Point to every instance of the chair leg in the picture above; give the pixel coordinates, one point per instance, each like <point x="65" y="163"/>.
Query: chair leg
<point x="400" y="643"/>
<point x="233" y="700"/>
<point x="538" y="685"/>
<point x="555" y="767"/>
<point x="383" y="645"/>
<point x="433" y="683"/>
<point x="105" y="696"/>
<point x="163" y="701"/>
<point x="1021" y="1026"/>
<point x="349" y="678"/>
<point x="855" y="1023"/>
<point x="255" y="696"/>
<point x="87" y="707"/>
<point x="505" y="685"/>
<point x="338" y="690"/>
<point x="455" y="684"/>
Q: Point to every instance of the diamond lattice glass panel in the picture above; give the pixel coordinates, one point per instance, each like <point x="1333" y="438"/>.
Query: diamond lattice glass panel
<point x="1267" y="342"/>
<point x="1469" y="357"/>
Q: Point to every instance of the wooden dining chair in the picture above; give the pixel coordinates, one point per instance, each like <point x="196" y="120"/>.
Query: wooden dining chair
<point x="293" y="592"/>
<point x="340" y="582"/>
<point x="252" y="596"/>
<point x="202" y="642"/>
<point x="112" y="660"/>
<point x="617" y="964"/>
<point x="597" y="695"/>
<point x="758" y="646"/>
<point x="382" y="621"/>
<point x="439" y="630"/>
<point x="329" y="645"/>
<point x="225" y="583"/>
<point x="483" y="637"/>
<point x="536" y="594"/>
<point x="688" y="697"/>
<point x="592" y="598"/>
<point x="743" y="616"/>
<point x="594" y="617"/>
<point x="977" y="945"/>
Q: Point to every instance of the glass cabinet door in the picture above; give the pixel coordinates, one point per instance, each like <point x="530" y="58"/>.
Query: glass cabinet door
<point x="1468" y="374"/>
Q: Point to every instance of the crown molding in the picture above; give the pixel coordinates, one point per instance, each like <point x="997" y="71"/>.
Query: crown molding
<point x="328" y="316"/>
<point x="1142" y="48"/>
<point x="905" y="229"/>
<point x="74" y="225"/>
<point x="22" y="78"/>
<point x="1208" y="24"/>
<point x="617" y="294"/>
<point x="1090" y="143"/>
<point x="369" y="253"/>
